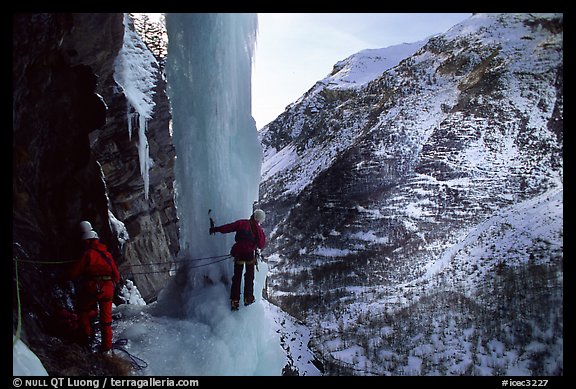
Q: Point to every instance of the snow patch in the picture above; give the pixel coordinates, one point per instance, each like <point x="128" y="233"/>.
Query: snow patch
<point x="367" y="65"/>
<point x="332" y="252"/>
<point x="130" y="294"/>
<point x="370" y="236"/>
<point x="25" y="362"/>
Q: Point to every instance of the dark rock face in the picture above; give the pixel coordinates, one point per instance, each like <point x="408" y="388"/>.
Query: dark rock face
<point x="55" y="107"/>
<point x="73" y="160"/>
<point x="56" y="180"/>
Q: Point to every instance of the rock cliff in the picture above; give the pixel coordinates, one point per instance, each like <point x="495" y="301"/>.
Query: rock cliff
<point x="74" y="159"/>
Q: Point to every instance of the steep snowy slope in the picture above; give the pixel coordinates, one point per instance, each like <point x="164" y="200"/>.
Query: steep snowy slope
<point x="395" y="203"/>
<point x="346" y="78"/>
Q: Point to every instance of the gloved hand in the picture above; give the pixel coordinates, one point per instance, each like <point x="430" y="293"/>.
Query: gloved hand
<point x="212" y="230"/>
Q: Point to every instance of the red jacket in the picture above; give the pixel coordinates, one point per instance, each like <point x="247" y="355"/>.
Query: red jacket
<point x="95" y="261"/>
<point x="249" y="236"/>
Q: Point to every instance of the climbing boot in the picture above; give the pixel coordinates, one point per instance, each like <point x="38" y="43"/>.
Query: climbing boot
<point x="235" y="304"/>
<point x="248" y="300"/>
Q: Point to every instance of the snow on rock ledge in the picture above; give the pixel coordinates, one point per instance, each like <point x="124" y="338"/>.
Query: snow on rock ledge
<point x="135" y="71"/>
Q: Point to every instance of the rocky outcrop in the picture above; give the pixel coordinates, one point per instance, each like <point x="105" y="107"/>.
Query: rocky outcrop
<point x="73" y="159"/>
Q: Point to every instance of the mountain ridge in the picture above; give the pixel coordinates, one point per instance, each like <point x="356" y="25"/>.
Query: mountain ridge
<point x="367" y="187"/>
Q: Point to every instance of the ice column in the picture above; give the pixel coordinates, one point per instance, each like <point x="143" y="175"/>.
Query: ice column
<point x="208" y="70"/>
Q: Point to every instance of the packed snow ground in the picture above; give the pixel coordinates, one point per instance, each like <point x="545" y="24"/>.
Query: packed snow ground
<point x="209" y="340"/>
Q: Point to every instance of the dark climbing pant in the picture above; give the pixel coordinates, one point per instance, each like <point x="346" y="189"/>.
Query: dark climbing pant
<point x="248" y="278"/>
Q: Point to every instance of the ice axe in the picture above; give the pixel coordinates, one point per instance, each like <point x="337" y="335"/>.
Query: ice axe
<point x="211" y="222"/>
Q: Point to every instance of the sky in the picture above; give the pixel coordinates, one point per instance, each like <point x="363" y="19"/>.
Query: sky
<point x="294" y="50"/>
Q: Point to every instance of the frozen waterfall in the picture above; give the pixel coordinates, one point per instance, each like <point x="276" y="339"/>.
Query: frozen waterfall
<point x="218" y="154"/>
<point x="191" y="330"/>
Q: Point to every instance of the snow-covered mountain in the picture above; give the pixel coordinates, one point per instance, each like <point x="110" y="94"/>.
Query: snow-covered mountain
<point x="415" y="200"/>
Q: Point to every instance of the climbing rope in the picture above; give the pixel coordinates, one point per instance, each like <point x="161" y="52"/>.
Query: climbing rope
<point x="182" y="260"/>
<point x="225" y="257"/>
<point x="220" y="257"/>
<point x="137" y="362"/>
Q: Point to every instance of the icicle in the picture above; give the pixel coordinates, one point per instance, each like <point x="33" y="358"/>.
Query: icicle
<point x="136" y="72"/>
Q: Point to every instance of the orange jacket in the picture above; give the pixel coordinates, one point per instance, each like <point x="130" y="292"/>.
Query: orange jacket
<point x="96" y="261"/>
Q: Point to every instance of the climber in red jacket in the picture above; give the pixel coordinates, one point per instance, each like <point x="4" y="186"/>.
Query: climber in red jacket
<point x="249" y="237"/>
<point x="99" y="275"/>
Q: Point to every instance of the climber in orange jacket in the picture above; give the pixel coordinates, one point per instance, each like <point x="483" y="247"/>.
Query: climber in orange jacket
<point x="99" y="275"/>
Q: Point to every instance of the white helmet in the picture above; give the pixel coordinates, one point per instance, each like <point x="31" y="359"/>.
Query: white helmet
<point x="85" y="226"/>
<point x="90" y="235"/>
<point x="259" y="215"/>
